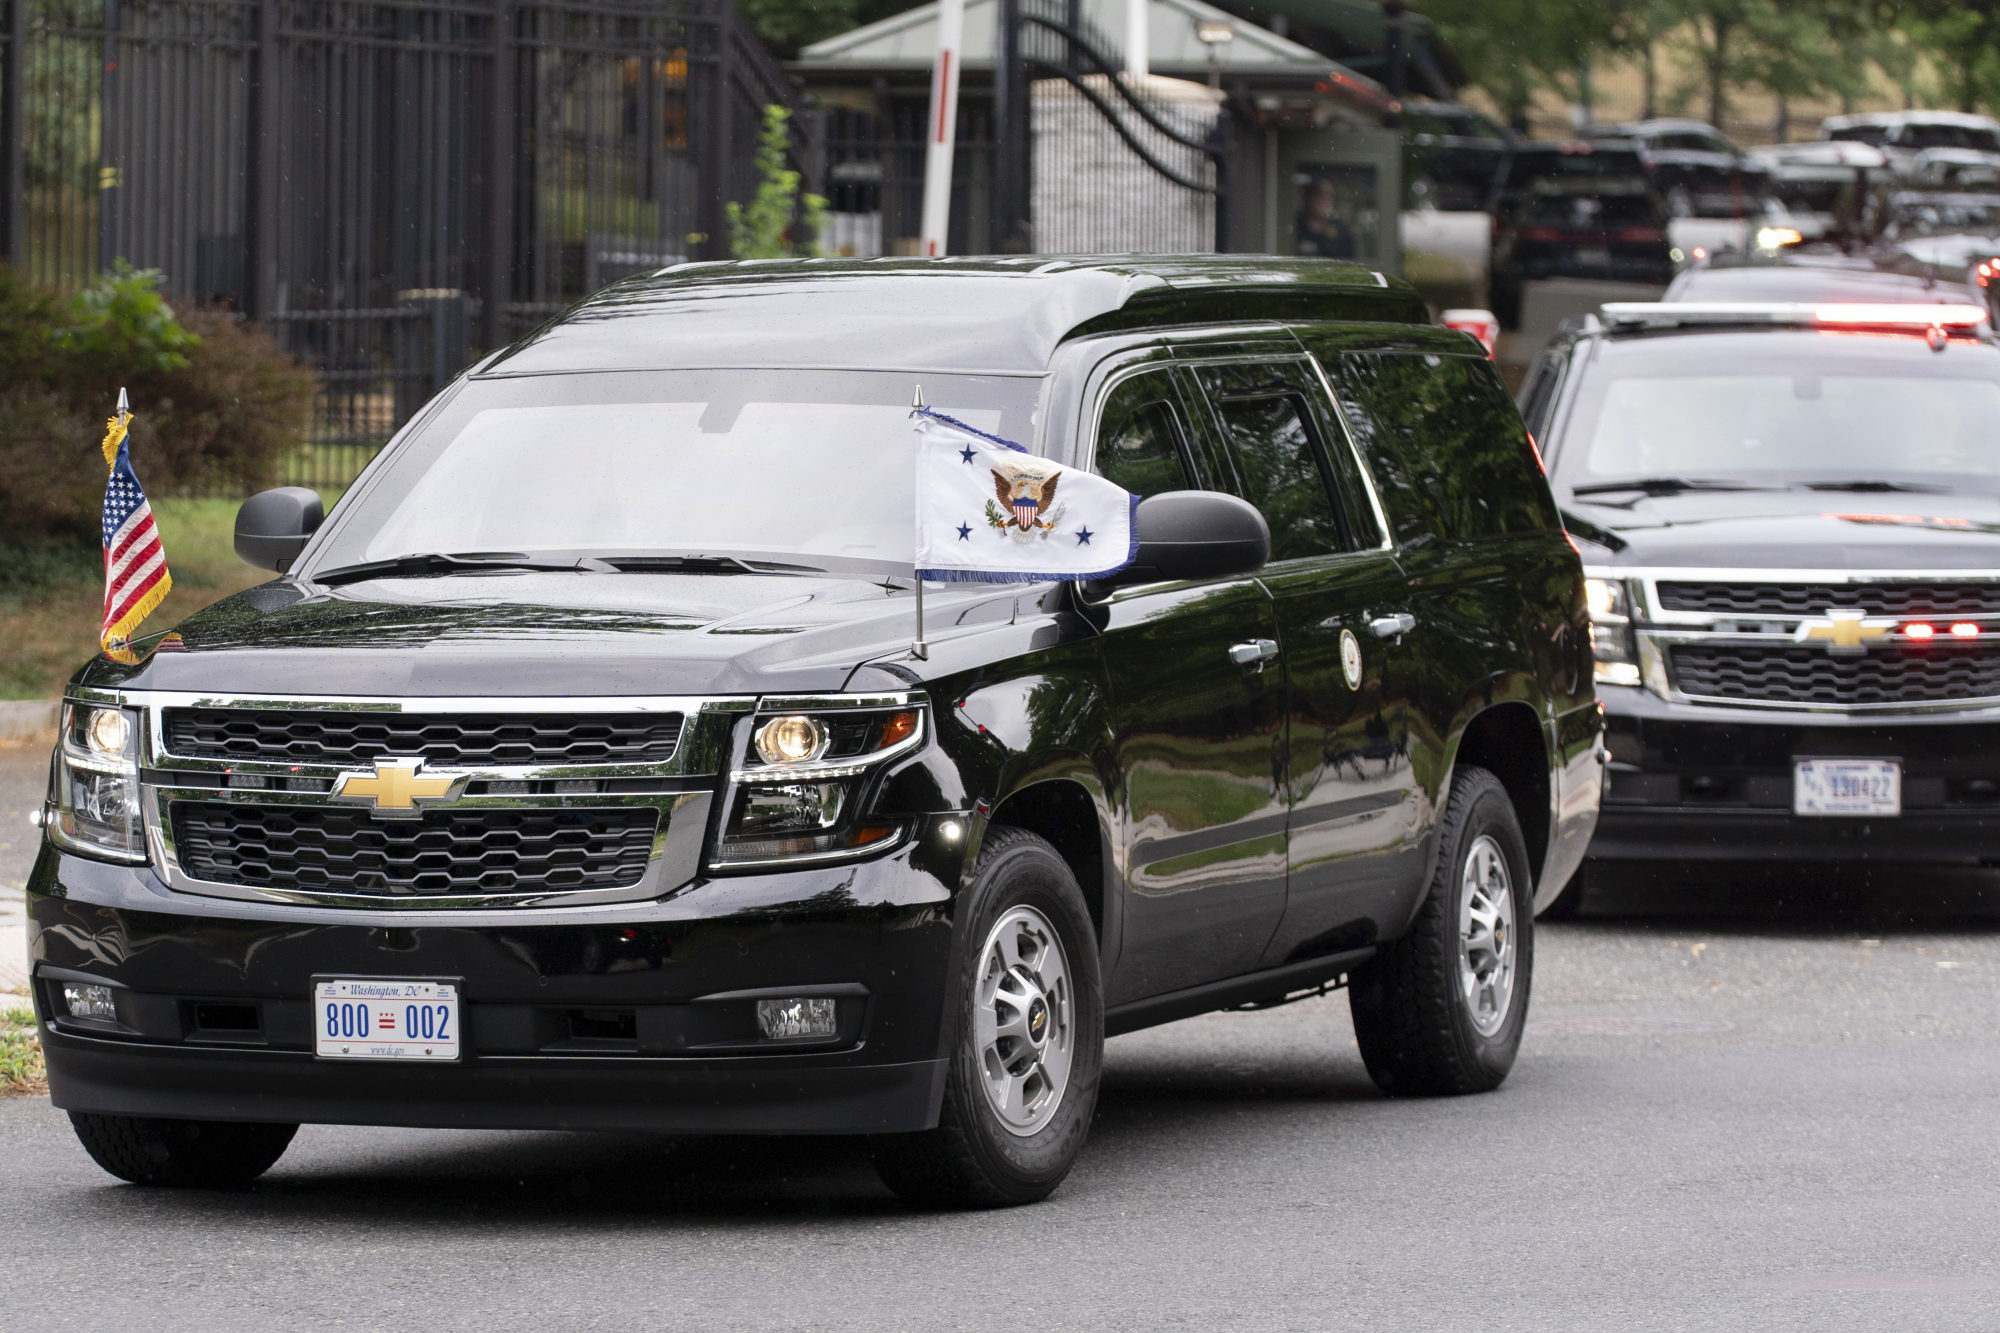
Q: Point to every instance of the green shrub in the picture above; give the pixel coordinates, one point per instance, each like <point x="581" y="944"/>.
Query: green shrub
<point x="779" y="223"/>
<point x="214" y="402"/>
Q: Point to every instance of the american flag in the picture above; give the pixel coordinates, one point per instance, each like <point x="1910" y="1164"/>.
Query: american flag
<point x="135" y="564"/>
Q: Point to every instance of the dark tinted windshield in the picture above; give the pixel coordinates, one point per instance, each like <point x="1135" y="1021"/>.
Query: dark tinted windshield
<point x="811" y="467"/>
<point x="1785" y="409"/>
<point x="1591" y="212"/>
<point x="1947" y="136"/>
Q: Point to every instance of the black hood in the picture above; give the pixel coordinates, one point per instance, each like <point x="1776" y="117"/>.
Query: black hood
<point x="514" y="634"/>
<point x="1789" y="530"/>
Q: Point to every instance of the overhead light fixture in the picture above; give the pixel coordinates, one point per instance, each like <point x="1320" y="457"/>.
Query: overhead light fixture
<point x="1215" y="32"/>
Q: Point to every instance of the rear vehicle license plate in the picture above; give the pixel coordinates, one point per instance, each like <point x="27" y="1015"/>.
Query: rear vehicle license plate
<point x="1847" y="787"/>
<point x="1593" y="256"/>
<point x="382" y="1018"/>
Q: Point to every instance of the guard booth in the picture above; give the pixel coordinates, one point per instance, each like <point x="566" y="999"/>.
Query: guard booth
<point x="1235" y="139"/>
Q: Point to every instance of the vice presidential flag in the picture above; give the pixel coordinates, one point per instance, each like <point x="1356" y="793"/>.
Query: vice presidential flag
<point x="135" y="565"/>
<point x="988" y="511"/>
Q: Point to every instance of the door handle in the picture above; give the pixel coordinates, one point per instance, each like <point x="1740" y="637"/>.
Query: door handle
<point x="1387" y="627"/>
<point x="1254" y="653"/>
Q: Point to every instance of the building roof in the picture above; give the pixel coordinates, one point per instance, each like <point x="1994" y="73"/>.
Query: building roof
<point x="991" y="315"/>
<point x="908" y="41"/>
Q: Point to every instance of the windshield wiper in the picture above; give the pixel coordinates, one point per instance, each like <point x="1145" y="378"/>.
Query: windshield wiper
<point x="696" y="564"/>
<point x="430" y="564"/>
<point x="1662" y="486"/>
<point x="1874" y="484"/>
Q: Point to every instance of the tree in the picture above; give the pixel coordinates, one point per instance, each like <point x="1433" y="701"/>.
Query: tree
<point x="780" y="222"/>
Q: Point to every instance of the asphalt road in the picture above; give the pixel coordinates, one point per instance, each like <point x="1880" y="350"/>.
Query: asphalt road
<point x="1761" y="1103"/>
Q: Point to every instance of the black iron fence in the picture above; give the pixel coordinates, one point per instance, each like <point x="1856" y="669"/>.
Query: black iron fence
<point x="387" y="186"/>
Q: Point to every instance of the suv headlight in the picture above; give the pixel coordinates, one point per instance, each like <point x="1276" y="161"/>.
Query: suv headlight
<point x="1611" y="641"/>
<point x="804" y="784"/>
<point x="97" y="784"/>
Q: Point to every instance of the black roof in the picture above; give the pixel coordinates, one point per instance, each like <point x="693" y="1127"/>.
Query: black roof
<point x="994" y="315"/>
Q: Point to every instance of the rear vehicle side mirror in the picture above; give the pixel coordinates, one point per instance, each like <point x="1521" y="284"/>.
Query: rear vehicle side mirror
<point x="272" y="527"/>
<point x="1195" y="535"/>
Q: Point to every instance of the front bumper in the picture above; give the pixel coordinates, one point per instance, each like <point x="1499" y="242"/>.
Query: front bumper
<point x="613" y="1016"/>
<point x="1706" y="782"/>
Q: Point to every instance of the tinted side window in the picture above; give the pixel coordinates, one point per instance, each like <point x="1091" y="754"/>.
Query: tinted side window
<point x="1278" y="462"/>
<point x="1141" y="445"/>
<point x="1446" y="445"/>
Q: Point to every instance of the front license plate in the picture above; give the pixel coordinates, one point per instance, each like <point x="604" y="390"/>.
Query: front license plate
<point x="380" y="1018"/>
<point x="1847" y="787"/>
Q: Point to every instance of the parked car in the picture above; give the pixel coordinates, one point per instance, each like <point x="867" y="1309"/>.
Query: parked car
<point x="1827" y="189"/>
<point x="1902" y="135"/>
<point x="1578" y="210"/>
<point x="585" y="744"/>
<point x="1451" y="154"/>
<point x="1696" y="168"/>
<point x="1965" y="170"/>
<point x="1952" y="233"/>
<point x="1794" y="575"/>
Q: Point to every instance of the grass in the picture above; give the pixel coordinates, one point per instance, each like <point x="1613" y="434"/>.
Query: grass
<point x="51" y="601"/>
<point x="21" y="1069"/>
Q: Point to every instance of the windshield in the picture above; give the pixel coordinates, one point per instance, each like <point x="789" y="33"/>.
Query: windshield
<point x="808" y="467"/>
<point x="1785" y="409"/>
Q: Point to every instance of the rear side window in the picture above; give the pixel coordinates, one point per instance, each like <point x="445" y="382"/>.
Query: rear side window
<point x="1141" y="445"/>
<point x="1446" y="445"/>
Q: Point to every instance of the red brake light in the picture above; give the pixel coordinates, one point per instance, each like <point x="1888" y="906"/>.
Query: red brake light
<point x="1909" y="316"/>
<point x="1639" y="234"/>
<point x="1964" y="629"/>
<point x="1919" y="631"/>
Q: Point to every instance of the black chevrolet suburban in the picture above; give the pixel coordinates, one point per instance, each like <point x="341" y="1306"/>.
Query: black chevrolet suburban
<point x="581" y="768"/>
<point x="1790" y="515"/>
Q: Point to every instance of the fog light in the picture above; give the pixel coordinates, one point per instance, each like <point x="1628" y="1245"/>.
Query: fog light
<point x="781" y="1020"/>
<point x="85" y="1001"/>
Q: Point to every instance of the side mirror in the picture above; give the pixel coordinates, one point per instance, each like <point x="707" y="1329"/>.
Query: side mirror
<point x="1195" y="535"/>
<point x="272" y="527"/>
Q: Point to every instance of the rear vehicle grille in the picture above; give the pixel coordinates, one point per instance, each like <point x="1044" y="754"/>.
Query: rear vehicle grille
<point x="464" y="740"/>
<point x="1805" y="675"/>
<point x="1812" y="599"/>
<point x="443" y="852"/>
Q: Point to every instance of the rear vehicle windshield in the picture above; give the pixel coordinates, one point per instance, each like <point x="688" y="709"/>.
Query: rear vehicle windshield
<point x="1947" y="136"/>
<point x="807" y="467"/>
<point x="1807" y="284"/>
<point x="1785" y="409"/>
<point x="1592" y="211"/>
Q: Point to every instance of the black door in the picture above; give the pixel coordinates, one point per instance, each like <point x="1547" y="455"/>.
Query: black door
<point x="1342" y="607"/>
<point x="1198" y="735"/>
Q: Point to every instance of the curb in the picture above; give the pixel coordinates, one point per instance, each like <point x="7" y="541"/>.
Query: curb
<point x="25" y="720"/>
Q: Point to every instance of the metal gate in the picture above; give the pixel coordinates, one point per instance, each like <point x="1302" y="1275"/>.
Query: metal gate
<point x="388" y="186"/>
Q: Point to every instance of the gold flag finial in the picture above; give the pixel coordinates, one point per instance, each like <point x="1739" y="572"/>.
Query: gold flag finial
<point x="114" y="430"/>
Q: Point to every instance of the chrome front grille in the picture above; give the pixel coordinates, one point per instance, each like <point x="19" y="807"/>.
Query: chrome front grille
<point x="1810" y="675"/>
<point x="1913" y="599"/>
<point x="418" y="804"/>
<point x="439" y="854"/>
<point x="1833" y="641"/>
<point x="450" y="740"/>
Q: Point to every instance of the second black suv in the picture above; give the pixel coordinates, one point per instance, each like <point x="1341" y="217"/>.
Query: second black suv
<point x="580" y="769"/>
<point x="1791" y="518"/>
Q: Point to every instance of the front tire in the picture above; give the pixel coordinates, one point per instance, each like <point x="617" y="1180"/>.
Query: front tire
<point x="192" y="1154"/>
<point x="1028" y="1017"/>
<point x="1440" y="1011"/>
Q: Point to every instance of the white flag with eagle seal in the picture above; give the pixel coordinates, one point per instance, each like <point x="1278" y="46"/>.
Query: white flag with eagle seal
<point x="988" y="511"/>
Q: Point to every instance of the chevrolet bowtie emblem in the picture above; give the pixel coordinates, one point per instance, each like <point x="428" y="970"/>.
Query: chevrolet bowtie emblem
<point x="1845" y="631"/>
<point x="395" y="787"/>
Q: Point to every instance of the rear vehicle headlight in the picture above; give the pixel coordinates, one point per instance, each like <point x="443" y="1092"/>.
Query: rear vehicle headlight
<point x="807" y="777"/>
<point x="96" y="793"/>
<point x="1611" y="642"/>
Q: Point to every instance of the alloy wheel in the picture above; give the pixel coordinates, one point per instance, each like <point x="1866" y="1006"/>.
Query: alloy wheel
<point x="1024" y="1020"/>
